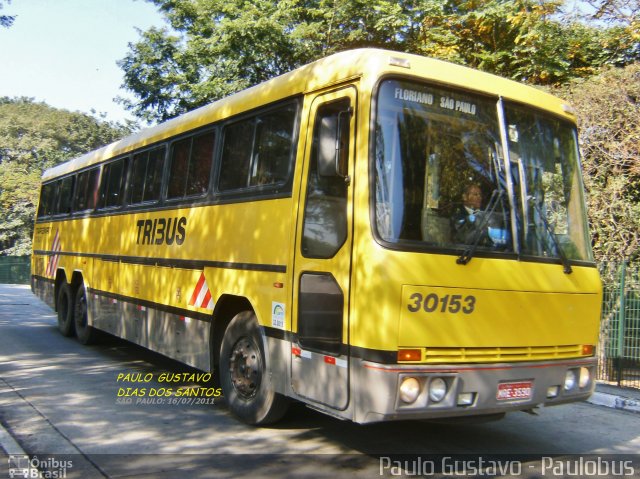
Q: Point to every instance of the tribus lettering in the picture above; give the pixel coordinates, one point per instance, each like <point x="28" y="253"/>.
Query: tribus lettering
<point x="162" y="231"/>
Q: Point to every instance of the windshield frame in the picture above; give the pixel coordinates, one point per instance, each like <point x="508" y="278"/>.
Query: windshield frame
<point x="504" y="156"/>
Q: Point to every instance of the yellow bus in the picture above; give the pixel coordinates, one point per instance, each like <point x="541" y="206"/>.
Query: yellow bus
<point x="379" y="235"/>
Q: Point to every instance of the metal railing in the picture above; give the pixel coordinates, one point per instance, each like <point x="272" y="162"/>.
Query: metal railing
<point x="15" y="269"/>
<point x="619" y="348"/>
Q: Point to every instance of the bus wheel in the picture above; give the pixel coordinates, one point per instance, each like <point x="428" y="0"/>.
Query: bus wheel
<point x="85" y="333"/>
<point x="65" y="310"/>
<point x="243" y="373"/>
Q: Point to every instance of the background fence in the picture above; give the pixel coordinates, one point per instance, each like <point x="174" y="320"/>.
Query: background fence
<point x="619" y="349"/>
<point x="15" y="269"/>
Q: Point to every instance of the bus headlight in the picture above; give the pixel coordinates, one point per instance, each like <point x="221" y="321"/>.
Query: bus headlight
<point x="409" y="390"/>
<point x="585" y="378"/>
<point x="437" y="389"/>
<point x="569" y="380"/>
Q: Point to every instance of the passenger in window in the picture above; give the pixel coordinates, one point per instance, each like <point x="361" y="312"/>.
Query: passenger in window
<point x="468" y="217"/>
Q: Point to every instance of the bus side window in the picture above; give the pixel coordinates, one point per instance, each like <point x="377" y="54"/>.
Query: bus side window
<point x="258" y="151"/>
<point x="147" y="176"/>
<point x="85" y="197"/>
<point x="236" y="155"/>
<point x="112" y="184"/>
<point x="273" y="147"/>
<point x="65" y="192"/>
<point x="47" y="196"/>
<point x="190" y="170"/>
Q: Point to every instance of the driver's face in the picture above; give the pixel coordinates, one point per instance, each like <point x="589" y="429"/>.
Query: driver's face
<point x="472" y="198"/>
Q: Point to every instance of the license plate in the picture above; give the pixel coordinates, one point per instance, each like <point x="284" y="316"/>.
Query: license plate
<point x="519" y="390"/>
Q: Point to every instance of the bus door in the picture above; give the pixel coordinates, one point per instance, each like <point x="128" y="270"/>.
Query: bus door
<point x="320" y="347"/>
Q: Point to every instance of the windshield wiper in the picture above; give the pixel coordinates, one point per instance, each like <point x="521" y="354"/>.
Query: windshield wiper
<point x="468" y="253"/>
<point x="563" y="257"/>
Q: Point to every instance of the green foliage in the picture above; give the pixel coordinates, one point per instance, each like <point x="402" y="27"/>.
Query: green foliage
<point x="608" y="108"/>
<point x="33" y="137"/>
<point x="215" y="48"/>
<point x="6" y="20"/>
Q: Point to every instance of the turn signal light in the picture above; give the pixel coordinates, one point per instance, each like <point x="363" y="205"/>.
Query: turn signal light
<point x="409" y="355"/>
<point x="588" y="349"/>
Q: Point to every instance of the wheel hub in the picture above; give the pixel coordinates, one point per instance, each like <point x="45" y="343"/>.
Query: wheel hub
<point x="245" y="367"/>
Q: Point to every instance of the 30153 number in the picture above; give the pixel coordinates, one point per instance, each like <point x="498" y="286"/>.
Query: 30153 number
<point x="450" y="303"/>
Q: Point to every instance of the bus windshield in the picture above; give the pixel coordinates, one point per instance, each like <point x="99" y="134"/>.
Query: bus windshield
<point x="543" y="154"/>
<point x="442" y="178"/>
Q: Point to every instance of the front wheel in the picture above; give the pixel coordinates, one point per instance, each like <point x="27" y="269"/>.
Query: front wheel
<point x="245" y="381"/>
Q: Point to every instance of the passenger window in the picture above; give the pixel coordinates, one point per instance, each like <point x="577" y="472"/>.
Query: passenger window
<point x="86" y="192"/>
<point x="258" y="151"/>
<point x="47" y="197"/>
<point x="274" y="141"/>
<point x="147" y="176"/>
<point x="200" y="164"/>
<point x="236" y="155"/>
<point x="191" y="160"/>
<point x="65" y="190"/>
<point x="179" y="168"/>
<point x="112" y="184"/>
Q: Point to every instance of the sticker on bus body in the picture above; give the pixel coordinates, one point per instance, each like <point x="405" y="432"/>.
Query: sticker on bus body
<point x="277" y="315"/>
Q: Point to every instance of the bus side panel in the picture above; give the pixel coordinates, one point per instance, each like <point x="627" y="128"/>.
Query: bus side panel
<point x="42" y="283"/>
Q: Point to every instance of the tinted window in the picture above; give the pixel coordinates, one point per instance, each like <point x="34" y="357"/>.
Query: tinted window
<point x="87" y="190"/>
<point x="200" y="164"/>
<point x="191" y="166"/>
<point x="258" y="151"/>
<point x="112" y="184"/>
<point x="146" y="177"/>
<point x="179" y="168"/>
<point x="47" y="197"/>
<point x="65" y="190"/>
<point x="236" y="155"/>
<point x="272" y="149"/>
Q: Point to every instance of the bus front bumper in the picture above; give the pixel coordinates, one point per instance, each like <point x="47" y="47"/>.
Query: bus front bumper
<point x="397" y="392"/>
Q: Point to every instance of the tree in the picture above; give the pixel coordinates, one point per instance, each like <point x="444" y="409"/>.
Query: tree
<point x="214" y="48"/>
<point x="608" y="108"/>
<point x="624" y="16"/>
<point x="6" y="20"/>
<point x="33" y="137"/>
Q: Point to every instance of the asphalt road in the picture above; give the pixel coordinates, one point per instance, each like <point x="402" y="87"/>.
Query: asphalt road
<point x="63" y="401"/>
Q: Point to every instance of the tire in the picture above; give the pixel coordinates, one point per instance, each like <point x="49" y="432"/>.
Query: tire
<point x="85" y="333"/>
<point x="245" y="378"/>
<point x="64" y="304"/>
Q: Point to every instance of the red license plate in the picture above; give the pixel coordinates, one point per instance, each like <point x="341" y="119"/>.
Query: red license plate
<point x="519" y="390"/>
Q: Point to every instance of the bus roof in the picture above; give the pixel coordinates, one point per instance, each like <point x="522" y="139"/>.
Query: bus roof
<point x="366" y="63"/>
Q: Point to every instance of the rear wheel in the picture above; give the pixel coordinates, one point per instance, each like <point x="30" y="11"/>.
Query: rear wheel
<point x="65" y="310"/>
<point x="243" y="373"/>
<point x="85" y="333"/>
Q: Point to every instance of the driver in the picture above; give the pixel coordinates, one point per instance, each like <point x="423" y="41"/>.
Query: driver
<point x="468" y="216"/>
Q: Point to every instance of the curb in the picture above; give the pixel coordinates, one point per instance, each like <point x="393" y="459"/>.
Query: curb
<point x="9" y="444"/>
<point x="615" y="401"/>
